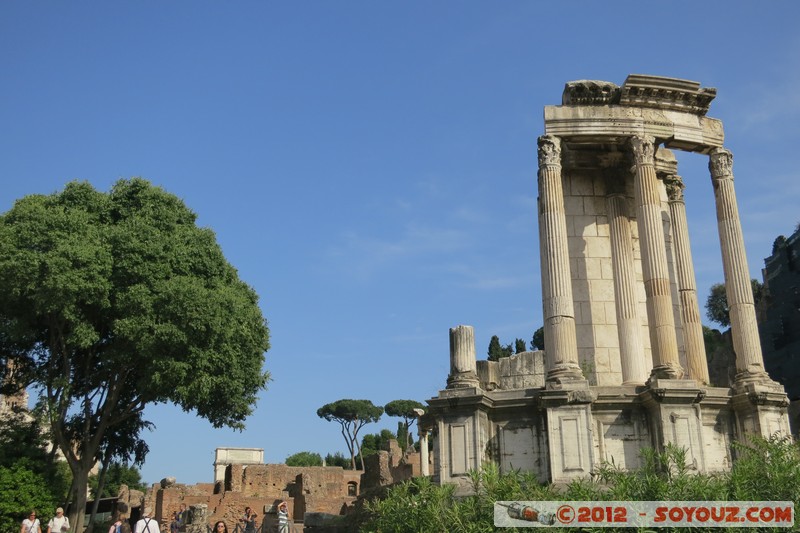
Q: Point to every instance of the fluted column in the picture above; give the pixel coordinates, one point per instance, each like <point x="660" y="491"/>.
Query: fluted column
<point x="687" y="287"/>
<point x="463" y="366"/>
<point x="561" y="348"/>
<point x="629" y="326"/>
<point x="749" y="360"/>
<point x="655" y="269"/>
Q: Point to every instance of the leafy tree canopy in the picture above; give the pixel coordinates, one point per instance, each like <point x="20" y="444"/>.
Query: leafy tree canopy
<point x="537" y="342"/>
<point x="519" y="346"/>
<point x="497" y="351"/>
<point x="372" y="443"/>
<point x="30" y="476"/>
<point x="405" y="409"/>
<point x="111" y="301"/>
<point x="304" y="459"/>
<point x="717" y="309"/>
<point x="22" y="490"/>
<point x="351" y="415"/>
<point x="338" y="459"/>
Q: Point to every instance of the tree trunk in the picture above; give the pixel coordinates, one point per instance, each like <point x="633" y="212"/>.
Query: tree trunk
<point x="101" y="479"/>
<point x="76" y="513"/>
<point x="361" y="455"/>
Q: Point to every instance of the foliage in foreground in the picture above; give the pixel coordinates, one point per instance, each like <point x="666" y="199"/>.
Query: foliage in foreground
<point x="767" y="470"/>
<point x="30" y="476"/>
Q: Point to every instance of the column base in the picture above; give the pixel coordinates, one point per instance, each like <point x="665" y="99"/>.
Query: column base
<point x="463" y="380"/>
<point x="756" y="378"/>
<point x="761" y="406"/>
<point x="568" y="374"/>
<point x="665" y="372"/>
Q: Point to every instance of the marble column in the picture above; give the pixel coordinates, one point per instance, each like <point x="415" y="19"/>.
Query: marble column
<point x="463" y="366"/>
<point x="424" y="459"/>
<point x="629" y="326"/>
<point x="655" y="270"/>
<point x="687" y="287"/>
<point x="561" y="347"/>
<point x="744" y="329"/>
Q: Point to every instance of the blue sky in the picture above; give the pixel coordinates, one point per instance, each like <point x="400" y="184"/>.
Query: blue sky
<point x="370" y="167"/>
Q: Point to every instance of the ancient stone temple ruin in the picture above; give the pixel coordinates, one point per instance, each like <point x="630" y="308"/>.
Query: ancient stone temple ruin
<point x="624" y="365"/>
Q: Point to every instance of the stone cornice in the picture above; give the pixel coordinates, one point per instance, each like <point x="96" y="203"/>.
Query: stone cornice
<point x="590" y="92"/>
<point x="666" y="93"/>
<point x="641" y="90"/>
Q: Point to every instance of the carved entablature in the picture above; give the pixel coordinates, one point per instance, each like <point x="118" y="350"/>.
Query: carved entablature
<point x="666" y="93"/>
<point x="590" y="92"/>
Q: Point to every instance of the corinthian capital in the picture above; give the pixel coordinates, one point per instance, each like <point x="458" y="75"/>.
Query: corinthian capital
<point x="549" y="150"/>
<point x="674" y="185"/>
<point x="643" y="147"/>
<point x="720" y="163"/>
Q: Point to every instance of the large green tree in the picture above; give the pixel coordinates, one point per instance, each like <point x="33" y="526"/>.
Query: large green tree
<point x="111" y="301"/>
<point x="408" y="410"/>
<point x="351" y="415"/>
<point x="717" y="309"/>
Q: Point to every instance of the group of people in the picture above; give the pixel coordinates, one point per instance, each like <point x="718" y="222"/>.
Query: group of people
<point x="250" y="524"/>
<point x="58" y="524"/>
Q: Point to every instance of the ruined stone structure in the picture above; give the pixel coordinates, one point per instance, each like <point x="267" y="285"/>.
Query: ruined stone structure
<point x="235" y="456"/>
<point x="624" y="365"/>
<point x="261" y="487"/>
<point x="241" y="481"/>
<point x="780" y="324"/>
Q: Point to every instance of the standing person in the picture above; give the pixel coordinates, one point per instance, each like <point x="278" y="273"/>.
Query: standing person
<point x="283" y="517"/>
<point x="250" y="523"/>
<point x="246" y="518"/>
<point x="116" y="527"/>
<point x="59" y="523"/>
<point x="175" y="525"/>
<point x="183" y="516"/>
<point x="30" y="524"/>
<point x="147" y="524"/>
<point x="220" y="527"/>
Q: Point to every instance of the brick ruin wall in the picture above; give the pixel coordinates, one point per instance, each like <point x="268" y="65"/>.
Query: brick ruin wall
<point x="261" y="487"/>
<point x="313" y="489"/>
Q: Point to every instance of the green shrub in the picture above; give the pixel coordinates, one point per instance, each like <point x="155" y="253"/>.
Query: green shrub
<point x="765" y="470"/>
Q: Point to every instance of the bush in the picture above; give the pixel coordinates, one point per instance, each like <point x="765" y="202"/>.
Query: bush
<point x="766" y="470"/>
<point x="304" y="459"/>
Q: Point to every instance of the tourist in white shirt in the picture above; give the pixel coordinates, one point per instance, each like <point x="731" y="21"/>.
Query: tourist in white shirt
<point x="59" y="523"/>
<point x="30" y="524"/>
<point x="147" y="524"/>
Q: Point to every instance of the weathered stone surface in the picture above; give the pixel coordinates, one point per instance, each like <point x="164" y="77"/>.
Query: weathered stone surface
<point x="619" y="302"/>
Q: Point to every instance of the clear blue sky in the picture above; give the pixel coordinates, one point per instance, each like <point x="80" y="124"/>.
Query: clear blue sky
<point x="370" y="167"/>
